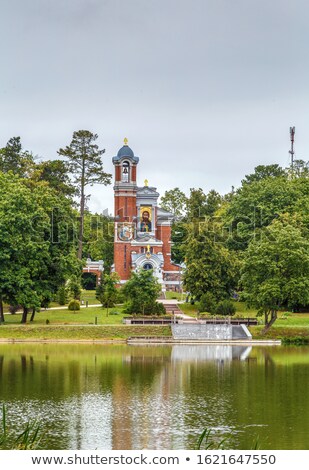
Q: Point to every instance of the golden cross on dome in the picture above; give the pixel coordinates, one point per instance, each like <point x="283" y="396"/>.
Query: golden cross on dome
<point x="125" y="141"/>
<point x="146" y="182"/>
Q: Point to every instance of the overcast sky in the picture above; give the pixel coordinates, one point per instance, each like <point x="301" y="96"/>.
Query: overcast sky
<point x="204" y="90"/>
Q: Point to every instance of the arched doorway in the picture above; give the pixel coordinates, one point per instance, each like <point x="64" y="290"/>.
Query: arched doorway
<point x="147" y="266"/>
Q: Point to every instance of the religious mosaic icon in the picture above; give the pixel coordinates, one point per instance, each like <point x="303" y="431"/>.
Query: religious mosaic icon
<point x="125" y="231"/>
<point x="145" y="219"/>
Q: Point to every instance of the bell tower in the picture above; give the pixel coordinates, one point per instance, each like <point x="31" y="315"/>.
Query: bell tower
<point x="125" y="189"/>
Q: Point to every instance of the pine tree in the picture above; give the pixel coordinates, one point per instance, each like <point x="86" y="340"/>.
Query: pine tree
<point x="84" y="158"/>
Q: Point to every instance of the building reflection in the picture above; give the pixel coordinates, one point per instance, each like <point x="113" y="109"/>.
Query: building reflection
<point x="154" y="397"/>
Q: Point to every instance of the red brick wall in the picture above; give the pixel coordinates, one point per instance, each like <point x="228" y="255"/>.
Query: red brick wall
<point x="125" y="207"/>
<point x="164" y="234"/>
<point x="117" y="173"/>
<point x="122" y="259"/>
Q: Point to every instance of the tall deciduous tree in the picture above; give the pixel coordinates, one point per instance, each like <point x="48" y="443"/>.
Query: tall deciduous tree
<point x="174" y="201"/>
<point x="13" y="158"/>
<point x="85" y="163"/>
<point x="36" y="255"/>
<point x="275" y="271"/>
<point x="264" y="171"/>
<point x="99" y="238"/>
<point x="209" y="266"/>
<point x="196" y="204"/>
<point x="107" y="292"/>
<point x="56" y="174"/>
<point x="254" y="206"/>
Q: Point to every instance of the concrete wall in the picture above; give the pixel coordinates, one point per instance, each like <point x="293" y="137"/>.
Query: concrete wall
<point x="209" y="332"/>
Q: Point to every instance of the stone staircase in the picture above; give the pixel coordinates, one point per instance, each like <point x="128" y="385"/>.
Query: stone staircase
<point x="172" y="309"/>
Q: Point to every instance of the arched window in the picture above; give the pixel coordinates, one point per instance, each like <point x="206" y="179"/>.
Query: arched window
<point x="125" y="172"/>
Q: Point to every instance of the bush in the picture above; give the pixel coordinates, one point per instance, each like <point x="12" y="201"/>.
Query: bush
<point x="62" y="295"/>
<point x="120" y="297"/>
<point x="207" y="303"/>
<point x="74" y="287"/>
<point x="74" y="305"/>
<point x="159" y="309"/>
<point x="225" y="307"/>
<point x="156" y="308"/>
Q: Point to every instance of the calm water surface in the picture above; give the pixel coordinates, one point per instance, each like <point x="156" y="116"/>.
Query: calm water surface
<point x="158" y="397"/>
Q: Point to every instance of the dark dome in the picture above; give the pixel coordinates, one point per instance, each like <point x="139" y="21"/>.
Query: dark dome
<point x="125" y="151"/>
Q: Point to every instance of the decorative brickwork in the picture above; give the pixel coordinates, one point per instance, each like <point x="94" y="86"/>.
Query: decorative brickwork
<point x="142" y="229"/>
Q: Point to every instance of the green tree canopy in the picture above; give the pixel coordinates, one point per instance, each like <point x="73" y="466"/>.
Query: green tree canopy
<point x="56" y="174"/>
<point x="99" y="238"/>
<point x="13" y="158"/>
<point x="141" y="291"/>
<point x="275" y="272"/>
<point x="37" y="253"/>
<point x="264" y="171"/>
<point x="256" y="205"/>
<point x="107" y="292"/>
<point x="209" y="266"/>
<point x="174" y="201"/>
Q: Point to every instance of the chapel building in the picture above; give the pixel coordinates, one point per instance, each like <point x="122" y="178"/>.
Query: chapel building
<point x="142" y="229"/>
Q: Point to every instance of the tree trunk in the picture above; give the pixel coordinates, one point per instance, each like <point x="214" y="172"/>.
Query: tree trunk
<point x="33" y="314"/>
<point x="81" y="214"/>
<point x="269" y="323"/>
<point x="1" y="311"/>
<point x="24" y="315"/>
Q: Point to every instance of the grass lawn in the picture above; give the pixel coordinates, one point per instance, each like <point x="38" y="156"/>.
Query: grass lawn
<point x="80" y="332"/>
<point x="84" y="316"/>
<point x="175" y="295"/>
<point x="241" y="309"/>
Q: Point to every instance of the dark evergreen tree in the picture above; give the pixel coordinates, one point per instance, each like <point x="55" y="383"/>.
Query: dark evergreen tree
<point x="85" y="163"/>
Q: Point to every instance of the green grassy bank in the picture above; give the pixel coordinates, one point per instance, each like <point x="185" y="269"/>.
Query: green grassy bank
<point x="96" y="324"/>
<point x="80" y="332"/>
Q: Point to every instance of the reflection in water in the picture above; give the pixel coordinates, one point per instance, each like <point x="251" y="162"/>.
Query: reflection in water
<point x="215" y="352"/>
<point x="158" y="397"/>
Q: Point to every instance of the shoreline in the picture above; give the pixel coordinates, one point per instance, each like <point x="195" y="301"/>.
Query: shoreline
<point x="145" y="341"/>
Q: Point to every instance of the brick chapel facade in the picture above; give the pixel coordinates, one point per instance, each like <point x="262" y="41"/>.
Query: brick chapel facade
<point x="142" y="238"/>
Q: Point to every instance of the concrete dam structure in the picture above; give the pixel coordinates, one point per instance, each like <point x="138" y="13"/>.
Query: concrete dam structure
<point x="210" y="332"/>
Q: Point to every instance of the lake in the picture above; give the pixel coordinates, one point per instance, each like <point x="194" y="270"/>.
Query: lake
<point x="158" y="397"/>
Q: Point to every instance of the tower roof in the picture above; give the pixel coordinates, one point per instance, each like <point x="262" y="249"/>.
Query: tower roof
<point x="125" y="152"/>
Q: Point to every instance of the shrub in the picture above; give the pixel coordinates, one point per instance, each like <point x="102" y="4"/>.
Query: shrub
<point x="159" y="309"/>
<point x="74" y="305"/>
<point x="62" y="295"/>
<point x="225" y="307"/>
<point x="74" y="287"/>
<point x="207" y="303"/>
<point x="120" y="296"/>
<point x="155" y="308"/>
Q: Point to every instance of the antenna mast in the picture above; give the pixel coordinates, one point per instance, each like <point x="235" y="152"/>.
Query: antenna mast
<point x="291" y="152"/>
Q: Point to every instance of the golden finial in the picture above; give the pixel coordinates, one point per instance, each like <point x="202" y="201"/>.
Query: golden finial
<point x="125" y="141"/>
<point x="146" y="182"/>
